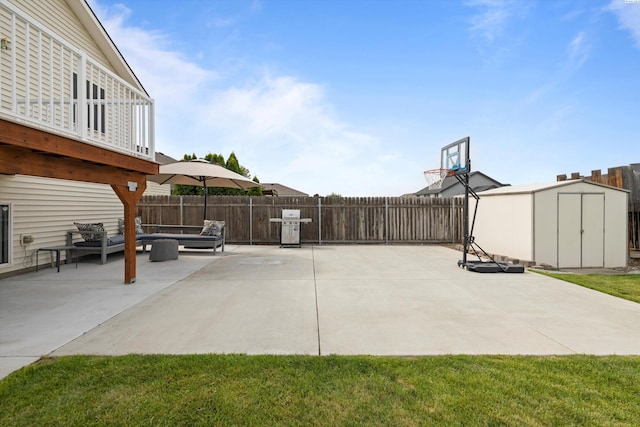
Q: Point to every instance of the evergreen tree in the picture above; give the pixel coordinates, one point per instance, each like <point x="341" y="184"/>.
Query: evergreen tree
<point x="232" y="164"/>
<point x="216" y="159"/>
<point x="187" y="190"/>
<point x="255" y="191"/>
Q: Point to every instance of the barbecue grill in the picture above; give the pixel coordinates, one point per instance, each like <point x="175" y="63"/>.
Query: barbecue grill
<point x="290" y="228"/>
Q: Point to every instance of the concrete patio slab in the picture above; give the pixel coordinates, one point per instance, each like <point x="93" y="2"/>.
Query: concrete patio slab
<point x="320" y="300"/>
<point x="41" y="311"/>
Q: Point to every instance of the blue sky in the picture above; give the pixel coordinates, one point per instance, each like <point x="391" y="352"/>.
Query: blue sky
<point x="357" y="97"/>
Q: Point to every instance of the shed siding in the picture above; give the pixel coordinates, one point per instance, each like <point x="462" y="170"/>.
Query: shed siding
<point x="504" y="227"/>
<point x="616" y="221"/>
<point x="46" y="208"/>
<point x="545" y="226"/>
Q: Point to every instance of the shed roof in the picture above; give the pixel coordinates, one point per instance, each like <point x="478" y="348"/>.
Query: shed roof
<point x="534" y="188"/>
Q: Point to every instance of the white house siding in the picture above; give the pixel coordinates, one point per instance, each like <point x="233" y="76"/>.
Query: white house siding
<point x="41" y="207"/>
<point x="59" y="18"/>
<point x="46" y="208"/>
<point x="155" y="189"/>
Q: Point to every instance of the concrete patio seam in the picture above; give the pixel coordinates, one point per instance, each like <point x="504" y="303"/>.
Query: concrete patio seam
<point x="315" y="290"/>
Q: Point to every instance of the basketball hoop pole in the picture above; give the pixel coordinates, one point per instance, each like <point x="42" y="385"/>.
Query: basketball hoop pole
<point x="465" y="226"/>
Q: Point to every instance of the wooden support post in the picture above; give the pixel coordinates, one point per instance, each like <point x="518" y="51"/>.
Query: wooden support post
<point x="129" y="196"/>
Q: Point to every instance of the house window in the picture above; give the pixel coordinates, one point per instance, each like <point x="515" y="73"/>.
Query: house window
<point x="92" y="92"/>
<point x="4" y="233"/>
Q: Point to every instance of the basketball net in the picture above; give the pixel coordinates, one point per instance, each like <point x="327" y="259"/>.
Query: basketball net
<point x="435" y="177"/>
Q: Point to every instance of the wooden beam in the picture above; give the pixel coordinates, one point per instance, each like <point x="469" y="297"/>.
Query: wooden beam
<point x="37" y="140"/>
<point x="129" y="198"/>
<point x="16" y="160"/>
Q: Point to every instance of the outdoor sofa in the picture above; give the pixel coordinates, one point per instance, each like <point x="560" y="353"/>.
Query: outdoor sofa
<point x="188" y="240"/>
<point x="96" y="240"/>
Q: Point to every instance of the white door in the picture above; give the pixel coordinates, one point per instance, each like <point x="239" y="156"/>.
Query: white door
<point x="593" y="230"/>
<point x="569" y="241"/>
<point x="580" y="230"/>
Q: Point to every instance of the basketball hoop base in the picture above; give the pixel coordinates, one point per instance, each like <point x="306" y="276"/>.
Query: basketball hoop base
<point x="491" y="267"/>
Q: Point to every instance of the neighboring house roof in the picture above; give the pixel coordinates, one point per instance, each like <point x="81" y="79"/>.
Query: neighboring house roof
<point x="97" y="31"/>
<point x="163" y="159"/>
<point x="275" y="189"/>
<point x="478" y="181"/>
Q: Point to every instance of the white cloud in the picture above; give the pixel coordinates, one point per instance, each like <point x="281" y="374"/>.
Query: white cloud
<point x="628" y="15"/>
<point x="540" y="93"/>
<point x="578" y="50"/>
<point x="165" y="74"/>
<point x="282" y="129"/>
<point x="494" y="15"/>
<point x="289" y="128"/>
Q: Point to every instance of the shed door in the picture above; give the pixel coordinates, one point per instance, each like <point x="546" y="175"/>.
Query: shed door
<point x="580" y="230"/>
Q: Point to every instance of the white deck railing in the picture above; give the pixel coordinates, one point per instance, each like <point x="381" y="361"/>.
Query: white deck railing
<point x="48" y="84"/>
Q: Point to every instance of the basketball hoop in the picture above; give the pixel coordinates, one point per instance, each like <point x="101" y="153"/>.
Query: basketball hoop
<point x="435" y="177"/>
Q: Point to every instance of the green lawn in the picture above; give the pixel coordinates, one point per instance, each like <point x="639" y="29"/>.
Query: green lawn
<point x="625" y="286"/>
<point x="313" y="390"/>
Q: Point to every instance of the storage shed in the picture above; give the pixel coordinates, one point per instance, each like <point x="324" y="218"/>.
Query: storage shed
<point x="567" y="224"/>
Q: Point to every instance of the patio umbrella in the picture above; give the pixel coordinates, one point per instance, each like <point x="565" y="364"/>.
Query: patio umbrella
<point x="201" y="172"/>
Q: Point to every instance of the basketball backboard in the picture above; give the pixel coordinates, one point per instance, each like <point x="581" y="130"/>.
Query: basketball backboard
<point x="455" y="156"/>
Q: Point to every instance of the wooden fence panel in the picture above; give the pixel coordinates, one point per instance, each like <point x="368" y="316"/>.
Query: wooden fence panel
<point x="333" y="219"/>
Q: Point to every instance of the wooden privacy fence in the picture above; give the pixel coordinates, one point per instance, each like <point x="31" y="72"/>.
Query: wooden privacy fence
<point x="333" y="219"/>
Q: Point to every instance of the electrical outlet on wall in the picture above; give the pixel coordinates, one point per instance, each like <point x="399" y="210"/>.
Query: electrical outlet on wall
<point x="26" y="239"/>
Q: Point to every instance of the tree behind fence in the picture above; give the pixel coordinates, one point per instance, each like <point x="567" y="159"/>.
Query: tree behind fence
<point x="333" y="219"/>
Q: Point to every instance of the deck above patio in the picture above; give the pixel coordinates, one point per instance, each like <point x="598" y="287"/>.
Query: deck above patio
<point x="49" y="84"/>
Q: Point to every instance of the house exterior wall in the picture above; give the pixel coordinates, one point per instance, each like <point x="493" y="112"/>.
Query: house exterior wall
<point x="46" y="208"/>
<point x="155" y="189"/>
<point x="41" y="207"/>
<point x="59" y="18"/>
<point x="503" y="225"/>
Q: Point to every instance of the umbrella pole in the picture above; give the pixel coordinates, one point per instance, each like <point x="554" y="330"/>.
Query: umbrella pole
<point x="204" y="215"/>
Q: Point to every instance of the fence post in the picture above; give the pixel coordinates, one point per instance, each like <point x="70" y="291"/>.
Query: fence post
<point x="453" y="220"/>
<point x="181" y="210"/>
<point x="319" y="221"/>
<point x="250" y="221"/>
<point x="386" y="220"/>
